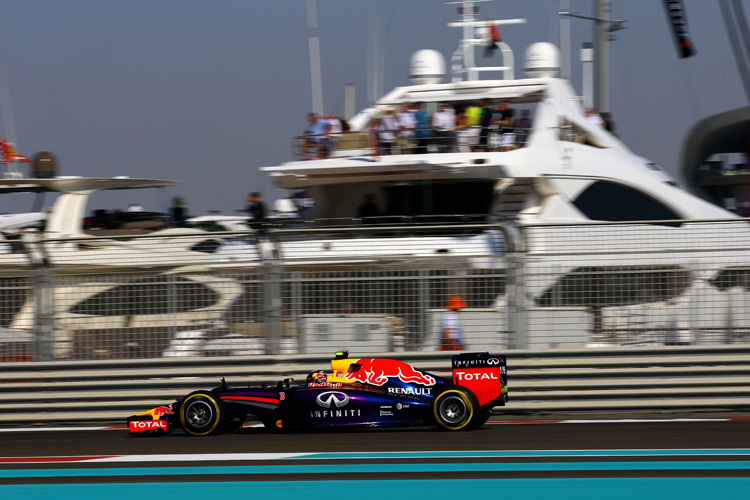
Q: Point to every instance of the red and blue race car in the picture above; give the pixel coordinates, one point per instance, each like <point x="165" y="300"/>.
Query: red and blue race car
<point x="365" y="392"/>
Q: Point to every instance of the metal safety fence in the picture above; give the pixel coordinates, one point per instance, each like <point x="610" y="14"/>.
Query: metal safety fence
<point x="376" y="289"/>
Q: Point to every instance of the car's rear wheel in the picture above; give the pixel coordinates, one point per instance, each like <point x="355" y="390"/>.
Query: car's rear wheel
<point x="201" y="413"/>
<point x="455" y="409"/>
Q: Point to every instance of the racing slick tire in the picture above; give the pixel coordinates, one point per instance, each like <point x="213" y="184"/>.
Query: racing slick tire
<point x="201" y="413"/>
<point x="456" y="409"/>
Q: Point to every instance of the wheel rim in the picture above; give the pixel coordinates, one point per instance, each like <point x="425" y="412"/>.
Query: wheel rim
<point x="453" y="410"/>
<point x="199" y="414"/>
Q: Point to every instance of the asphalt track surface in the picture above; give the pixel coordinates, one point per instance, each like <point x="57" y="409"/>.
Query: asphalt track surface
<point x="541" y="459"/>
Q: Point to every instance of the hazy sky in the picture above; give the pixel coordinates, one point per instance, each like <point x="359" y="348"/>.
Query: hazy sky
<point x="207" y="91"/>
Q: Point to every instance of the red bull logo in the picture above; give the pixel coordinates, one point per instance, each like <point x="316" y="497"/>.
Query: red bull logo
<point x="163" y="410"/>
<point x="377" y="371"/>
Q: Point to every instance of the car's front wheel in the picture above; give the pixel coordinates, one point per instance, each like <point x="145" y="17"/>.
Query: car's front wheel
<point x="455" y="409"/>
<point x="201" y="413"/>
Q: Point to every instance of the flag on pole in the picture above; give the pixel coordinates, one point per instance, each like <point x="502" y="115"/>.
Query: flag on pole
<point x="8" y="153"/>
<point x="494" y="39"/>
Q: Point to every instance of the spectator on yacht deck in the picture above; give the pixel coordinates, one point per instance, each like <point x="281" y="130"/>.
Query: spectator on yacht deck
<point x="507" y="117"/>
<point x="406" y="123"/>
<point x="485" y="122"/>
<point x="594" y="117"/>
<point x="389" y="127"/>
<point x="444" y="122"/>
<point x="312" y="140"/>
<point x="473" y="116"/>
<point x="332" y="133"/>
<point x="523" y="127"/>
<point x="463" y="133"/>
<point x="422" y="132"/>
<point x="609" y="123"/>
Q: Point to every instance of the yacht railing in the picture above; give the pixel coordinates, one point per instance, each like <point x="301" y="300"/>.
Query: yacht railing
<point x="383" y="143"/>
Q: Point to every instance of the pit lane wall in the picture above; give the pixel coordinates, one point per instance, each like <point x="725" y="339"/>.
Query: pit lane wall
<point x="315" y="288"/>
<point x="668" y="381"/>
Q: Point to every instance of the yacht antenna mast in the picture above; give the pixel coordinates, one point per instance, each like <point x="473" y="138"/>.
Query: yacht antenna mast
<point x="314" y="45"/>
<point x="463" y="57"/>
<point x="603" y="29"/>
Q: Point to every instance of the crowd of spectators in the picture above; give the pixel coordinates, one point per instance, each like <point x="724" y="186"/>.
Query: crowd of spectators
<point x="410" y="128"/>
<point x="482" y="126"/>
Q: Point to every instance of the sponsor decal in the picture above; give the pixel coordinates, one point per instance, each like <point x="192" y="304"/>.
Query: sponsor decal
<point x="332" y="398"/>
<point x="386" y="413"/>
<point x="486" y="383"/>
<point x="163" y="410"/>
<point x="334" y="385"/>
<point x="333" y="414"/>
<point x="401" y="406"/>
<point x="411" y="391"/>
<point x="147" y="425"/>
<point x="480" y="362"/>
<point x="466" y="376"/>
<point x="377" y="371"/>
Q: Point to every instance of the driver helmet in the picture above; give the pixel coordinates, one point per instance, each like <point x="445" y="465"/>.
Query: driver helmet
<point x="317" y="377"/>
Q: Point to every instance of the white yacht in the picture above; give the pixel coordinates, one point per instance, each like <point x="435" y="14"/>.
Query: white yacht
<point x="568" y="170"/>
<point x="124" y="283"/>
<point x="105" y="239"/>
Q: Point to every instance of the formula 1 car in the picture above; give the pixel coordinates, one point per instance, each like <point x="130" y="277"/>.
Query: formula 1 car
<point x="367" y="392"/>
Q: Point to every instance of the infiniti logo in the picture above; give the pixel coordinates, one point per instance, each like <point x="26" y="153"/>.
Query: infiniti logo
<point x="493" y="361"/>
<point x="326" y="399"/>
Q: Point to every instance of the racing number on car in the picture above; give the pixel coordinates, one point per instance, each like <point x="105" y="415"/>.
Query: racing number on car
<point x="282" y="396"/>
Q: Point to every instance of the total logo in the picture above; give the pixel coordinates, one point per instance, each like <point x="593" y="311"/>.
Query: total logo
<point x="332" y="398"/>
<point x="466" y="376"/>
<point x="147" y="425"/>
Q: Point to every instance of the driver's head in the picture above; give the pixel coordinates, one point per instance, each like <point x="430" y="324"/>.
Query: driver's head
<point x="317" y="377"/>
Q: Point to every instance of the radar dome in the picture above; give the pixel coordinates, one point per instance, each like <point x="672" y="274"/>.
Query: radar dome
<point x="542" y="60"/>
<point x="427" y="67"/>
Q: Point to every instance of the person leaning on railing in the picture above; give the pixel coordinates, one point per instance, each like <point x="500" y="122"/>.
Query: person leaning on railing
<point x="407" y="123"/>
<point x="312" y="139"/>
<point x="523" y="126"/>
<point x="422" y="131"/>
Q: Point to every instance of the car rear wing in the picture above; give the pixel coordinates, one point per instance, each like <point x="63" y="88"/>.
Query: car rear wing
<point x="484" y="374"/>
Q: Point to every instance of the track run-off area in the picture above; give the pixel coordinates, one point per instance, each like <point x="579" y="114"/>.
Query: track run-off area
<point x="553" y="459"/>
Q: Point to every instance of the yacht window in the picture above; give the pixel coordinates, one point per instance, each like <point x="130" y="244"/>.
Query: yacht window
<point x="732" y="277"/>
<point x="206" y="246"/>
<point x="613" y="202"/>
<point x="157" y="295"/>
<point x="448" y="201"/>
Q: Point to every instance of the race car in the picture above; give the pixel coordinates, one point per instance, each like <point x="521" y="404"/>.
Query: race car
<point x="364" y="392"/>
